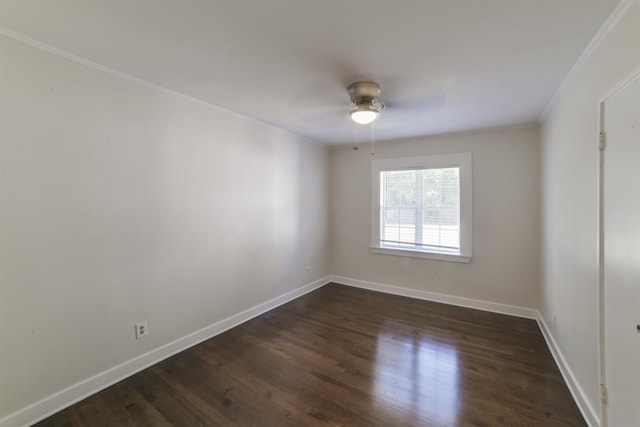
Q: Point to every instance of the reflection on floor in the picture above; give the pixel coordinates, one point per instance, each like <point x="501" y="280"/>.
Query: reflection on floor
<point x="416" y="373"/>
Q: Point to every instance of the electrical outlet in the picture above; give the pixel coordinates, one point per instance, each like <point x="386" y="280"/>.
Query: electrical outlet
<point x="141" y="329"/>
<point x="308" y="271"/>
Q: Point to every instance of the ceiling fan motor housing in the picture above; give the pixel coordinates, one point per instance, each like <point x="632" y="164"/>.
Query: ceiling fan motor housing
<point x="364" y="92"/>
<point x="364" y="96"/>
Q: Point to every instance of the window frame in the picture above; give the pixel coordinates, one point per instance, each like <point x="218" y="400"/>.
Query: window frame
<point x="460" y="160"/>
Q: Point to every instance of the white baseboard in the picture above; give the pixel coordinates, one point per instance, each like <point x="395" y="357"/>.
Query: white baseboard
<point x="77" y="392"/>
<point x="494" y="307"/>
<point x="588" y="412"/>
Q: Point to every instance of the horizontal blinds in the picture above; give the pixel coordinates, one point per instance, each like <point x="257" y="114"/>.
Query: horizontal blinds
<point x="420" y="208"/>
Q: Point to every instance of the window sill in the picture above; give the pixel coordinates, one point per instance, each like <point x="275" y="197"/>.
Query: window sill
<point x="465" y="259"/>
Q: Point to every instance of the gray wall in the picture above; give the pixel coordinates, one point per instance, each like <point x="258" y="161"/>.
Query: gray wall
<point x="121" y="203"/>
<point x="570" y="155"/>
<point x="504" y="267"/>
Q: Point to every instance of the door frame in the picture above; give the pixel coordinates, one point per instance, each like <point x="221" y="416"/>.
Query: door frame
<point x="604" y="422"/>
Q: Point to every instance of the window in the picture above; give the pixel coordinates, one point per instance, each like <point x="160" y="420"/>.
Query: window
<point x="422" y="207"/>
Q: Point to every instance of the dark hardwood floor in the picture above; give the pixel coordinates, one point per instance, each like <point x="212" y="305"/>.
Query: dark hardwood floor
<point x="342" y="356"/>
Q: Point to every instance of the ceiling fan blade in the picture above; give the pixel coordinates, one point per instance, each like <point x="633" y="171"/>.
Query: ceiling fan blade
<point x="408" y="101"/>
<point x="323" y="104"/>
<point x="411" y="92"/>
<point x="329" y="118"/>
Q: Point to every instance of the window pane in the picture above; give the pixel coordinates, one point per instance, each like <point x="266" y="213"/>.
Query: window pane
<point x="398" y="215"/>
<point x="441" y="207"/>
<point x="420" y="208"/>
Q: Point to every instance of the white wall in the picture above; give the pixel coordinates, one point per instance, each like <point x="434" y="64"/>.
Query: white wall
<point x="505" y="263"/>
<point x="569" y="138"/>
<point x="121" y="203"/>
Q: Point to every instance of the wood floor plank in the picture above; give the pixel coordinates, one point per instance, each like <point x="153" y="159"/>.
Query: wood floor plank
<point x="342" y="356"/>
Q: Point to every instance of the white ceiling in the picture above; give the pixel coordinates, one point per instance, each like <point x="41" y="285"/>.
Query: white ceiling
<point x="443" y="65"/>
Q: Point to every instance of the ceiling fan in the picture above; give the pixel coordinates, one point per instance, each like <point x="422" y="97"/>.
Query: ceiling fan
<point x="334" y="103"/>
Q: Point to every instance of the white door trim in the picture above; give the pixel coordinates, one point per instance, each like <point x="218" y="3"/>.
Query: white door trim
<point x="601" y="346"/>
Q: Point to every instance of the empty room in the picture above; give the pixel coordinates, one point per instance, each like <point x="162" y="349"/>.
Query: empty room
<point x="320" y="213"/>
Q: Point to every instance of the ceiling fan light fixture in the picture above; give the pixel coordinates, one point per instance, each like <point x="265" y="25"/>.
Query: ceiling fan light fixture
<point x="364" y="114"/>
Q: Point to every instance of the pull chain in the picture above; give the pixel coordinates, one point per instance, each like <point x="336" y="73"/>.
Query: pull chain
<point x="372" y="142"/>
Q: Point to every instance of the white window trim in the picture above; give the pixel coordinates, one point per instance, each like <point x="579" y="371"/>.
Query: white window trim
<point x="461" y="160"/>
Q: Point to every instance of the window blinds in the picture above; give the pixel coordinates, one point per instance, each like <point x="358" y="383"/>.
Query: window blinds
<point x="420" y="209"/>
